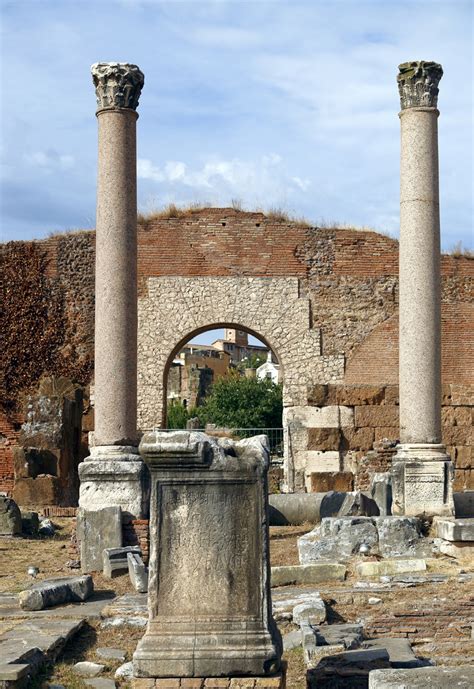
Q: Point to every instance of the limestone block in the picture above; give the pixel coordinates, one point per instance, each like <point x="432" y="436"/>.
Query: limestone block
<point x="308" y="573"/>
<point x="383" y="415"/>
<point x="86" y="668"/>
<point x="458" y="435"/>
<point x="337" y="539"/>
<point x="317" y="395"/>
<point x="50" y="592"/>
<point x="388" y="567"/>
<point x="322" y="482"/>
<point x="115" y="560"/>
<point x="461" y="550"/>
<point x="461" y="677"/>
<point x="334" y="416"/>
<point x="347" y="635"/>
<point x="324" y="438"/>
<point x="358" y="504"/>
<point x="315" y="460"/>
<point x="464" y="457"/>
<point x="421" y="481"/>
<point x="401" y="537"/>
<point x="96" y="530"/>
<point x="464" y="503"/>
<point x="455" y="529"/>
<point x="138" y="572"/>
<point x="10" y="517"/>
<point x="399" y="651"/>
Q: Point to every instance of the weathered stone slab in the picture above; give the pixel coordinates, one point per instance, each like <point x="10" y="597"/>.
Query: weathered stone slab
<point x="400" y="536"/>
<point x="50" y="592"/>
<point x="350" y="667"/>
<point x="115" y="560"/>
<point x="381" y="492"/>
<point x="30" y="523"/>
<point x="310" y="613"/>
<point x="455" y="529"/>
<point x="96" y="530"/>
<point x="399" y="651"/>
<point x="461" y="677"/>
<point x="308" y="574"/>
<point x="209" y="587"/>
<point x="464" y="504"/>
<point x="387" y="567"/>
<point x="138" y="572"/>
<point x="349" y="635"/>
<point x="85" y="668"/>
<point x="358" y="504"/>
<point x="110" y="653"/>
<point x="461" y="550"/>
<point x="285" y="600"/>
<point x="10" y="517"/>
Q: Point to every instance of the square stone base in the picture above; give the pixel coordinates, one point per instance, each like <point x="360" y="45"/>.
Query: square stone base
<point x="271" y="682"/>
<point x="422" y="481"/>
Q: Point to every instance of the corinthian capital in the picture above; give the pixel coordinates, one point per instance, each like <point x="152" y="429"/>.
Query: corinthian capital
<point x="418" y="84"/>
<point x="117" y="85"/>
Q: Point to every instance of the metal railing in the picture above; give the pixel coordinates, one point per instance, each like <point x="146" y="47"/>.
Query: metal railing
<point x="274" y="435"/>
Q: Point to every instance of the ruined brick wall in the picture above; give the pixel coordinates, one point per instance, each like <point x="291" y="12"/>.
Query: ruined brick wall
<point x="330" y="297"/>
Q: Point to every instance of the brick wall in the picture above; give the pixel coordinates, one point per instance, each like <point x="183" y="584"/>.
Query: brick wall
<point x="347" y="294"/>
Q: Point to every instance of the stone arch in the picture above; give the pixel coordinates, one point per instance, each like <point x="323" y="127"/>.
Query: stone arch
<point x="175" y="308"/>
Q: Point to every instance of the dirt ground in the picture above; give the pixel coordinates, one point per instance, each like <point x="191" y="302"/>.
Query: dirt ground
<point x="51" y="555"/>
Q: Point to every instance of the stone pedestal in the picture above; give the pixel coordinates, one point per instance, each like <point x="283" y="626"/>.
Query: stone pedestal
<point x="209" y="580"/>
<point x="421" y="468"/>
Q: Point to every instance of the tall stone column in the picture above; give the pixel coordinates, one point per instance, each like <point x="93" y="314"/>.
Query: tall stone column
<point x="113" y="473"/>
<point x="421" y="469"/>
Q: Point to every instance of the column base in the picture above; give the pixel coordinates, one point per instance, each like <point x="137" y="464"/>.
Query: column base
<point x="208" y="652"/>
<point x="115" y="475"/>
<point x="422" y="481"/>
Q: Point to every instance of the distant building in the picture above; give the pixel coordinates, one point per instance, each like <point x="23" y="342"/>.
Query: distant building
<point x="269" y="370"/>
<point x="193" y="371"/>
<point x="236" y="343"/>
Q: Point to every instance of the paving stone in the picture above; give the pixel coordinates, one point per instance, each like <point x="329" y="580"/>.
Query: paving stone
<point x="461" y="677"/>
<point x="111" y="653"/>
<point x="50" y="592"/>
<point x="384" y="567"/>
<point x="307" y="573"/>
<point x="100" y="683"/>
<point x="399" y="651"/>
<point x="87" y="669"/>
<point x="455" y="529"/>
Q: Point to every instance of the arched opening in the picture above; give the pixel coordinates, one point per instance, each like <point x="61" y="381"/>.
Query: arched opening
<point x="226" y="379"/>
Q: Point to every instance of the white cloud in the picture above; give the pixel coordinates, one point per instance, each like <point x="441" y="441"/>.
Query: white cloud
<point x="266" y="178"/>
<point x="50" y="160"/>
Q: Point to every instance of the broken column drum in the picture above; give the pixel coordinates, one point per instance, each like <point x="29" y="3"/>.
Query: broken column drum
<point x="422" y="470"/>
<point x="113" y="474"/>
<point x="209" y="577"/>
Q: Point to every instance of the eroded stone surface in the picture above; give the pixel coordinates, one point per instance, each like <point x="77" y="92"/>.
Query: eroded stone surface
<point x="455" y="529"/>
<point x="461" y="677"/>
<point x="96" y="530"/>
<point x="50" y="592"/>
<point x="10" y="517"/>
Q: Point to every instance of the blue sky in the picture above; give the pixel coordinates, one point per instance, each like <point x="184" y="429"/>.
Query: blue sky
<point x="277" y="104"/>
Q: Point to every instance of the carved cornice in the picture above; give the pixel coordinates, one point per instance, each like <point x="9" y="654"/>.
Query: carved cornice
<point x="118" y="85"/>
<point x="418" y="84"/>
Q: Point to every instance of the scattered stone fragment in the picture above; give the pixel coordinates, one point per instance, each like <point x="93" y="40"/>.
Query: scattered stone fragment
<point x="337" y="539"/>
<point x="374" y="601"/>
<point x="85" y="668"/>
<point x="46" y="527"/>
<point x="461" y="677"/>
<point x="381" y="492"/>
<point x="123" y="621"/>
<point x="49" y="592"/>
<point x="377" y="569"/>
<point x="307" y="574"/>
<point x="115" y="560"/>
<point x="454" y="529"/>
<point x="358" y="504"/>
<point x="310" y="613"/>
<point x="10" y="517"/>
<point x="460" y="550"/>
<point x="12" y="672"/>
<point x="111" y="653"/>
<point x="138" y="572"/>
<point x="349" y="667"/>
<point x="284" y="603"/>
<point x="125" y="671"/>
